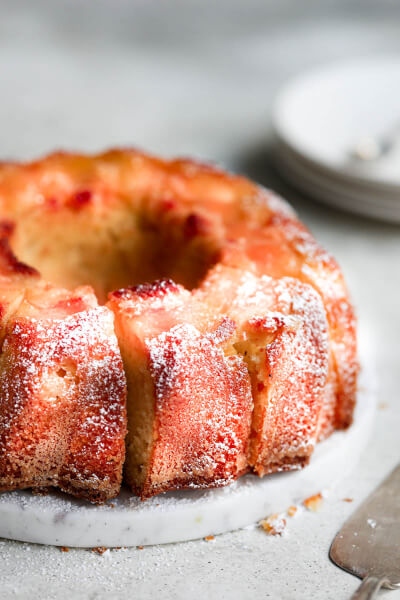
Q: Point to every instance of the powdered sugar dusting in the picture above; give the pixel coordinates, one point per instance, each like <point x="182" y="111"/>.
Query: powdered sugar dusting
<point x="204" y="406"/>
<point x="283" y="335"/>
<point x="62" y="391"/>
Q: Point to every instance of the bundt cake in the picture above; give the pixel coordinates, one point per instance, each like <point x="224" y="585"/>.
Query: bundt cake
<point x="237" y="335"/>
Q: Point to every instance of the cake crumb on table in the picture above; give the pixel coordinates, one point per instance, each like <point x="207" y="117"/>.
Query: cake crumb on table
<point x="292" y="510"/>
<point x="347" y="499"/>
<point x="209" y="538"/>
<point x="64" y="549"/>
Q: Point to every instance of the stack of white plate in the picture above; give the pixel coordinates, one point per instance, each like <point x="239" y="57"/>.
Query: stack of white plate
<point x="337" y="133"/>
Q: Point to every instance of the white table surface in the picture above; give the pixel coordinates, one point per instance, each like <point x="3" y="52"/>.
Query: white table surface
<point x="198" y="78"/>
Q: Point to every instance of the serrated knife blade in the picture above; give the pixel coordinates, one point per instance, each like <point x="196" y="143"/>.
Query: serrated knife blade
<point x="368" y="544"/>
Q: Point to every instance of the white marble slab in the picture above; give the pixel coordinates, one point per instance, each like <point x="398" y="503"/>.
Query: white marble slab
<point x="190" y="514"/>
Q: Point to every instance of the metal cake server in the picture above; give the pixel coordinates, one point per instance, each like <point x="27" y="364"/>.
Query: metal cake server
<point x="368" y="545"/>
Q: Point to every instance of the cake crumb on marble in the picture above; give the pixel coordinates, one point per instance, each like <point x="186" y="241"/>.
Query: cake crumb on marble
<point x="99" y="549"/>
<point x="274" y="525"/>
<point x="314" y="503"/>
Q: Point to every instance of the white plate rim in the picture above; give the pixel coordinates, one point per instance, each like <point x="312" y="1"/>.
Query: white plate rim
<point x="307" y="184"/>
<point x="280" y="130"/>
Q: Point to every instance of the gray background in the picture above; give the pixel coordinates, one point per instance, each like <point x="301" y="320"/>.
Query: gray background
<point x="198" y="78"/>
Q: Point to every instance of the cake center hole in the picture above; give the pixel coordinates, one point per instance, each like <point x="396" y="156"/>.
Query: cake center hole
<point x="117" y="249"/>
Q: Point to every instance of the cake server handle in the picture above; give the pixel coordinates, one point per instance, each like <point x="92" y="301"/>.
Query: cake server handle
<point x="370" y="586"/>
